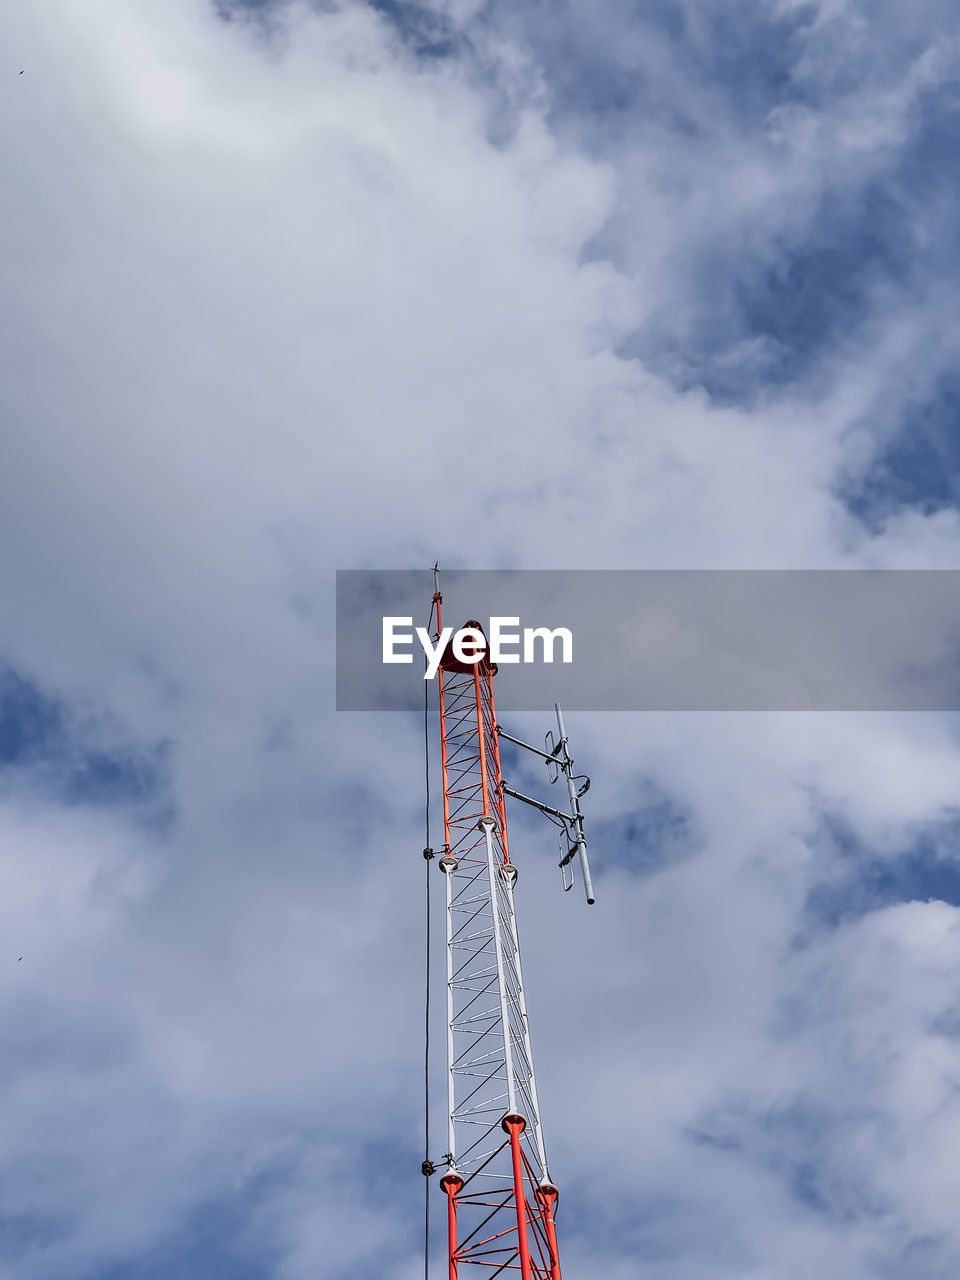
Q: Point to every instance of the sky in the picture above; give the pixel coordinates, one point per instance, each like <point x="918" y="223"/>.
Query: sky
<point x="291" y="288"/>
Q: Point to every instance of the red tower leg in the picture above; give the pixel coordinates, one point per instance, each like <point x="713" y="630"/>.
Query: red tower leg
<point x="547" y="1198"/>
<point x="451" y="1184"/>
<point x="515" y="1125"/>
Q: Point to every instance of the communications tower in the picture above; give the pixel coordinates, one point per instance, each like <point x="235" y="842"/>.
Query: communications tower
<point x="500" y="1198"/>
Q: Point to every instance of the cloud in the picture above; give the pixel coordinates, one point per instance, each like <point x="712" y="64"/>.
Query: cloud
<point x="285" y="295"/>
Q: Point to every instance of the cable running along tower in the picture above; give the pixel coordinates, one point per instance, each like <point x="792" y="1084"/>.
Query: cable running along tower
<point x="500" y="1198"/>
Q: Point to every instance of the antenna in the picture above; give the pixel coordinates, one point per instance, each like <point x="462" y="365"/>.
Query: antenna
<point x="559" y="760"/>
<point x="501" y="1200"/>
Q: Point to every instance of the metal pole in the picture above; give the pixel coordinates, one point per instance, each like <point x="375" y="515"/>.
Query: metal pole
<point x="481" y="742"/>
<point x="438" y="600"/>
<point x="487" y="824"/>
<point x="575" y="809"/>
<point x="448" y="865"/>
<point x="528" y="1048"/>
<point x="502" y="733"/>
<point x="495" y="738"/>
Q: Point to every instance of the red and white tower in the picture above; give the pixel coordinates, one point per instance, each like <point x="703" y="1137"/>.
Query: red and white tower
<point x="500" y="1197"/>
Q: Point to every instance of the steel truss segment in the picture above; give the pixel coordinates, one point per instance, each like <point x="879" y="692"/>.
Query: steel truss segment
<point x="500" y="1199"/>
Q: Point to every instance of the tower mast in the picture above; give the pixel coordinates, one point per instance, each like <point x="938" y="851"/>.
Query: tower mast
<point x="500" y="1197"/>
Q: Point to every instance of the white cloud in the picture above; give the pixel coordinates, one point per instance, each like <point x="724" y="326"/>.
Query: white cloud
<point x="277" y="306"/>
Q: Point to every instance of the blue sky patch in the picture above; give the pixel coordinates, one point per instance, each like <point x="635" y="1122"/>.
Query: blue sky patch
<point x="863" y="882"/>
<point x="40" y="735"/>
<point x="658" y="833"/>
<point x="206" y="1246"/>
<point x="920" y="467"/>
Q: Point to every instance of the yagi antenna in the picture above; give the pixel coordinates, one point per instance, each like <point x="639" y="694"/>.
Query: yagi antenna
<point x="559" y="761"/>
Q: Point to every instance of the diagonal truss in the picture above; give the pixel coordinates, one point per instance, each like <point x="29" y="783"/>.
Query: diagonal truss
<point x="499" y="1194"/>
